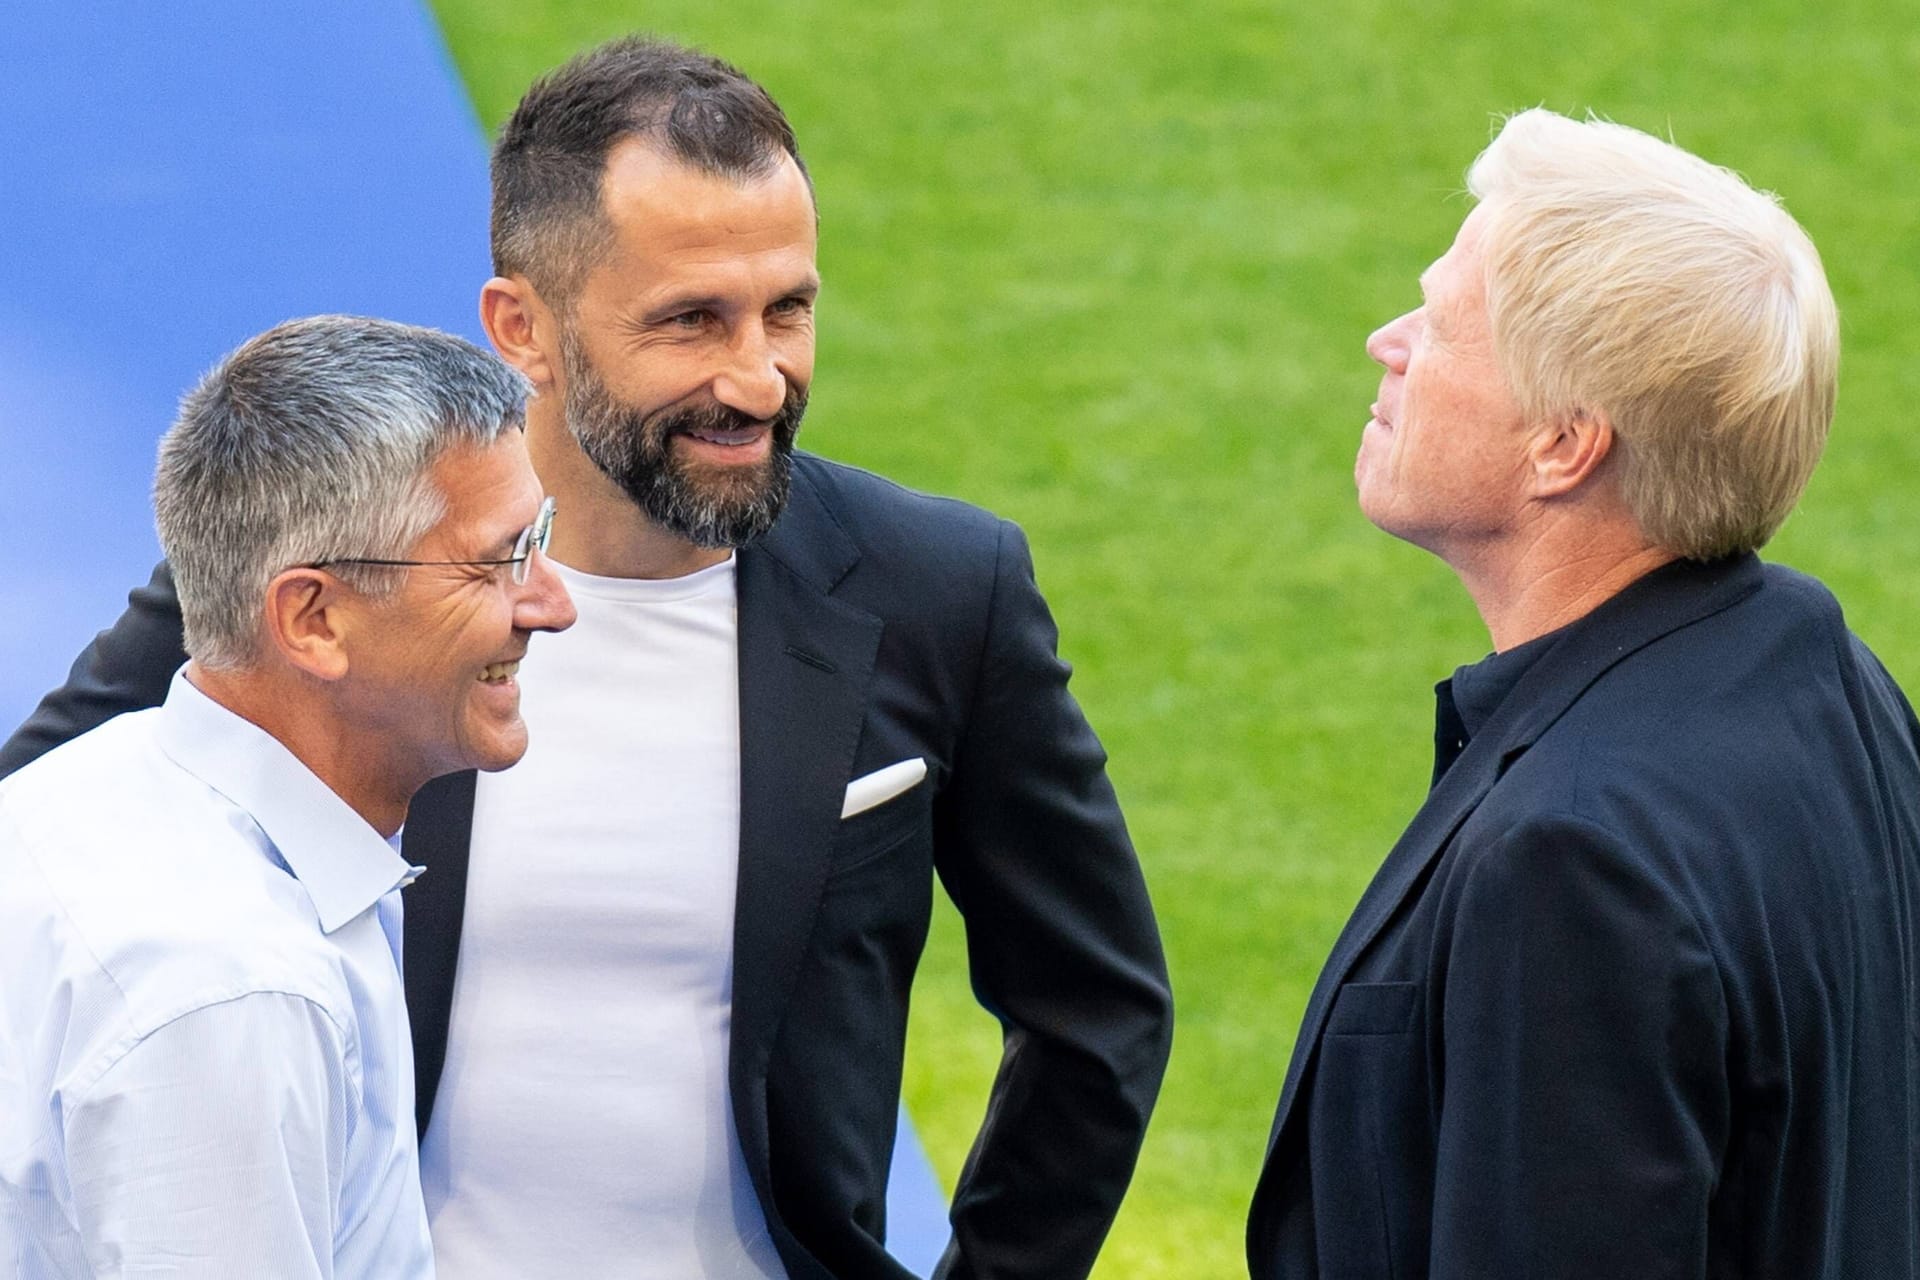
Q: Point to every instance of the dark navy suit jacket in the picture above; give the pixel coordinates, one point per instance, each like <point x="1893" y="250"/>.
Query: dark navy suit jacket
<point x="875" y="625"/>
<point x="1634" y="996"/>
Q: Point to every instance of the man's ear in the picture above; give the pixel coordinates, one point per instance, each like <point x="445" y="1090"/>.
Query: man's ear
<point x="308" y="615"/>
<point x="522" y="328"/>
<point x="1566" y="454"/>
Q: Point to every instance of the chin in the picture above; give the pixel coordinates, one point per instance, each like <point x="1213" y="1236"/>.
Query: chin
<point x="1395" y="524"/>
<point x="502" y="760"/>
<point x="499" y="750"/>
<point x="1370" y="504"/>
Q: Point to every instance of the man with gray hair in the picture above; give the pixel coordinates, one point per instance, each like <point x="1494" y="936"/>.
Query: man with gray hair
<point x="659" y="979"/>
<point x="205" y="1066"/>
<point x="1635" y="994"/>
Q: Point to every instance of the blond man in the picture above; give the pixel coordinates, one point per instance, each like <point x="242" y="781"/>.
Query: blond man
<point x="1634" y="995"/>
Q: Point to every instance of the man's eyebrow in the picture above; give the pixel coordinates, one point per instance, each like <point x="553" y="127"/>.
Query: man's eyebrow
<point x="808" y="288"/>
<point x="501" y="547"/>
<point x="1437" y="321"/>
<point x="679" y="306"/>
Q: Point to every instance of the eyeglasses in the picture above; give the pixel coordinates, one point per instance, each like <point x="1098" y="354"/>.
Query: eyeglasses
<point x="532" y="538"/>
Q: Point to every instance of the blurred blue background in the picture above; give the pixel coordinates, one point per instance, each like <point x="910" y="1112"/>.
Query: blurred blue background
<point x="177" y="178"/>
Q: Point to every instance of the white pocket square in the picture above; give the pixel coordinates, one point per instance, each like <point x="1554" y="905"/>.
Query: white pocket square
<point x="882" y="785"/>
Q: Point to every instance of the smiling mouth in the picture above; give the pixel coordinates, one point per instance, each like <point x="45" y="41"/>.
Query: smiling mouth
<point x="731" y="438"/>
<point x="499" y="672"/>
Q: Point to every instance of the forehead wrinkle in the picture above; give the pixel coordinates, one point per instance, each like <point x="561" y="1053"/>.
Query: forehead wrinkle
<point x="708" y="260"/>
<point x="480" y="507"/>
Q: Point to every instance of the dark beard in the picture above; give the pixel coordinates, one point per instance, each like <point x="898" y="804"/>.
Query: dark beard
<point x="707" y="507"/>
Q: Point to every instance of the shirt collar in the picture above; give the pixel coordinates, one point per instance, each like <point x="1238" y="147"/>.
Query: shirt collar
<point x="343" y="863"/>
<point x="1480" y="688"/>
<point x="1467" y="700"/>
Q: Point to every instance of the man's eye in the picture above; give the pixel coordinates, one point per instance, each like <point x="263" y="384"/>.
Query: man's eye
<point x="688" y="320"/>
<point x="793" y="306"/>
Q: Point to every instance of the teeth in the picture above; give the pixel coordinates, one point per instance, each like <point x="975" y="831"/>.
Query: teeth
<point x="497" y="672"/>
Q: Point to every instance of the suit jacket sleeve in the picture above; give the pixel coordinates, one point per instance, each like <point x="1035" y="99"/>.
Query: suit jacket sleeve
<point x="126" y="668"/>
<point x="1063" y="950"/>
<point x="1585" y="1104"/>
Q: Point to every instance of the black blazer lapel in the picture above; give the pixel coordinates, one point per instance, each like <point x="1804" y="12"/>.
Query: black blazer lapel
<point x="439" y="829"/>
<point x="1656" y="605"/>
<point x="806" y="660"/>
<point x="1447" y="806"/>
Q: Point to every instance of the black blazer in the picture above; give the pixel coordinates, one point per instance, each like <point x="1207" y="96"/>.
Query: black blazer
<point x="875" y="625"/>
<point x="1635" y="995"/>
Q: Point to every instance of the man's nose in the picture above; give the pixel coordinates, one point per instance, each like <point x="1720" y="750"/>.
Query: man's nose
<point x="544" y="604"/>
<point x="1390" y="344"/>
<point x="751" y="382"/>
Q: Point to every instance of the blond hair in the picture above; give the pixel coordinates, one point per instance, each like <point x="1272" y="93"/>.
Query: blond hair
<point x="1629" y="278"/>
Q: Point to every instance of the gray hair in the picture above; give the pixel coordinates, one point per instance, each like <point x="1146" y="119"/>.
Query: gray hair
<point x="312" y="442"/>
<point x="1627" y="276"/>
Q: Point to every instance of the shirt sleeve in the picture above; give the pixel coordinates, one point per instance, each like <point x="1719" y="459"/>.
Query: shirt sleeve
<point x="214" y="1147"/>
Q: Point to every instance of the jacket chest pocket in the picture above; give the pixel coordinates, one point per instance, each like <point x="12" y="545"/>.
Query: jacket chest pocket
<point x="870" y="836"/>
<point x="1371" y="1131"/>
<point x="1374" y="1009"/>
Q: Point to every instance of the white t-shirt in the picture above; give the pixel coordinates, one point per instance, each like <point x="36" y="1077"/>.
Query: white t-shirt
<point x="582" y="1125"/>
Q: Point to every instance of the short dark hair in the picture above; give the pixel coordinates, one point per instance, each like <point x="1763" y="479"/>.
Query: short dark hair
<point x="551" y="156"/>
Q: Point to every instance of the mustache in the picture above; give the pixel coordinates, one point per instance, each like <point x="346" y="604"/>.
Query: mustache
<point x="715" y="417"/>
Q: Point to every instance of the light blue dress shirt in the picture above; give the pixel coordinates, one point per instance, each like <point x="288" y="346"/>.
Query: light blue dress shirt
<point x="205" y="1069"/>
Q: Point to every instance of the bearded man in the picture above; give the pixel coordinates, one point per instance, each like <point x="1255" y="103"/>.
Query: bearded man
<point x="685" y="927"/>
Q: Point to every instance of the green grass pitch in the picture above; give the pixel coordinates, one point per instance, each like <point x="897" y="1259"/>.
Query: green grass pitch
<point x="1107" y="269"/>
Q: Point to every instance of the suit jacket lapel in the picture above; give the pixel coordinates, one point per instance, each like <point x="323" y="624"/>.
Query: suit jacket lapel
<point x="1658" y="604"/>
<point x="805" y="663"/>
<point x="439" y="829"/>
<point x="1447" y="806"/>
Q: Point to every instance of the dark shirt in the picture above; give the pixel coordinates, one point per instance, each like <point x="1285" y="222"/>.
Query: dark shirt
<point x="1468" y="700"/>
